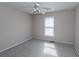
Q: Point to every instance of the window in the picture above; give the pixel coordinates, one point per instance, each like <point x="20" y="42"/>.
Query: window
<point x="49" y="26"/>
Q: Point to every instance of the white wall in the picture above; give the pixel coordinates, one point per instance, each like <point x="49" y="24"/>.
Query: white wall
<point x="76" y="41"/>
<point x="38" y="27"/>
<point x="63" y="26"/>
<point x="15" y="27"/>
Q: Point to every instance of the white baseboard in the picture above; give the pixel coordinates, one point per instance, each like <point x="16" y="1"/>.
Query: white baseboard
<point x="76" y="51"/>
<point x="55" y="41"/>
<point x="65" y="42"/>
<point x="14" y="45"/>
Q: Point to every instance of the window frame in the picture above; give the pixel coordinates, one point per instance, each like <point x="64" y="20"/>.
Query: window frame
<point x="49" y="27"/>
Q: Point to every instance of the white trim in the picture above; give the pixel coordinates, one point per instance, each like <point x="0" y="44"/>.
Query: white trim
<point x="55" y="41"/>
<point x="64" y="42"/>
<point x="76" y="51"/>
<point x="14" y="45"/>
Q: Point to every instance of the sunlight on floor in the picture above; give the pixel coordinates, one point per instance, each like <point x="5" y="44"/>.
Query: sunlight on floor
<point x="49" y="49"/>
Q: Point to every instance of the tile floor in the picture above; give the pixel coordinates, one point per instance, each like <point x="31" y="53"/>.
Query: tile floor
<point x="40" y="48"/>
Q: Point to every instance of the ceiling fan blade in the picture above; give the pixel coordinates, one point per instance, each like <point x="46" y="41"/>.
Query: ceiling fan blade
<point x="26" y="7"/>
<point x="45" y="8"/>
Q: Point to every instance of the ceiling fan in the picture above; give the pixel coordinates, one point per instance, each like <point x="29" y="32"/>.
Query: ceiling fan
<point x="37" y="9"/>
